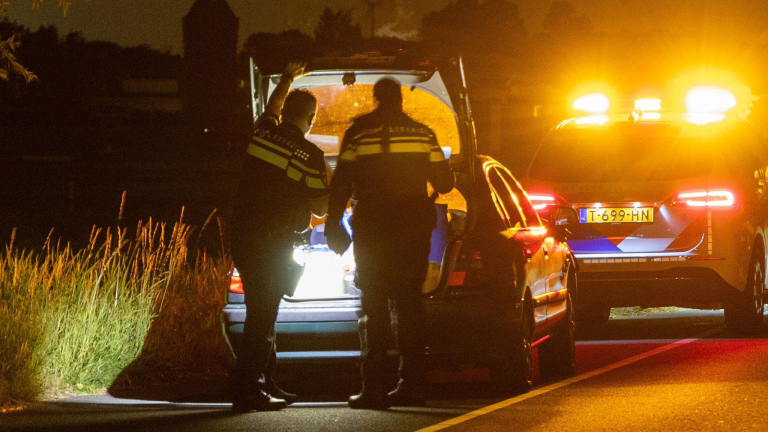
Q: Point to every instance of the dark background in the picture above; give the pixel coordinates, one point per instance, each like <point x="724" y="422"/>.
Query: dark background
<point x="169" y="129"/>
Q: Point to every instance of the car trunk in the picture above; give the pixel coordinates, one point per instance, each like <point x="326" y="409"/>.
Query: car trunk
<point x="343" y="95"/>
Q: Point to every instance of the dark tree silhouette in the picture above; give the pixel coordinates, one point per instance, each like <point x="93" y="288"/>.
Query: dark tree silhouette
<point x="272" y="51"/>
<point x="9" y="65"/>
<point x="335" y="33"/>
<point x="489" y="34"/>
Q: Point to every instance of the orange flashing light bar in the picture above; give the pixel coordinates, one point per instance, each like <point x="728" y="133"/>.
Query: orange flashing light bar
<point x="709" y="100"/>
<point x="593" y="103"/>
<point x="647" y="105"/>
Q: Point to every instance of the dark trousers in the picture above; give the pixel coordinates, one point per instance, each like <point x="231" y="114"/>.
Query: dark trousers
<point x="256" y="357"/>
<point x="391" y="268"/>
<point x="260" y="263"/>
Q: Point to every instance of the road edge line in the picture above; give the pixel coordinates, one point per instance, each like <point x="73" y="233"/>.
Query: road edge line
<point x="546" y="389"/>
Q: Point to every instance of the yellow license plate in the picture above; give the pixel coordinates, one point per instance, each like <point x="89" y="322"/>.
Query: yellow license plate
<point x="616" y="215"/>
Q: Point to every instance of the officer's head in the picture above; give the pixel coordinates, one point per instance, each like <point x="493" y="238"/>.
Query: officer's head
<point x="387" y="95"/>
<point x="299" y="109"/>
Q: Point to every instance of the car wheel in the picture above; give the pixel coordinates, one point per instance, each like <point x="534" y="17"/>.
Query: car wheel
<point x="744" y="310"/>
<point x="513" y="373"/>
<point x="557" y="356"/>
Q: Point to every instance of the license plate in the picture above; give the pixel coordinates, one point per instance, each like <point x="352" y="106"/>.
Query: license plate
<point x="616" y="215"/>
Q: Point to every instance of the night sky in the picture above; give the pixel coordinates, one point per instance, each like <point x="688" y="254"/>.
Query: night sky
<point x="158" y="22"/>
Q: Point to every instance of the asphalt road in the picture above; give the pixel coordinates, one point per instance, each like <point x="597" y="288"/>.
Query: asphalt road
<point x="679" y="371"/>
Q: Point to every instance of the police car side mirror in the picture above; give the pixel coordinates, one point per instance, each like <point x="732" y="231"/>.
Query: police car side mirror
<point x="560" y="220"/>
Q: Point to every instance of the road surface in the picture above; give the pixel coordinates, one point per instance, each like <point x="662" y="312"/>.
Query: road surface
<point x="673" y="371"/>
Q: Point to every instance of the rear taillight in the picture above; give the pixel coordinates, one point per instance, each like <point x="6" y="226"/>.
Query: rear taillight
<point x="541" y="201"/>
<point x="712" y="199"/>
<point x="469" y="272"/>
<point x="235" y="283"/>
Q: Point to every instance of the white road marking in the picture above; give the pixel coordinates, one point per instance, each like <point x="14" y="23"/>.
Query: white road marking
<point x="560" y="384"/>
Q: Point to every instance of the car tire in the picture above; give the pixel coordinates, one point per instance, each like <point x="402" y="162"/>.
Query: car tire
<point x="744" y="310"/>
<point x="557" y="356"/>
<point x="513" y="373"/>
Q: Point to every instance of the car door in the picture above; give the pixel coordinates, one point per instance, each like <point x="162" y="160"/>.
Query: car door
<point x="530" y="239"/>
<point x="555" y="253"/>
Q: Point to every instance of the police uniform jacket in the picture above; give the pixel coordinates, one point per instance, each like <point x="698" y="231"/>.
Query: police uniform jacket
<point x="282" y="171"/>
<point x="386" y="159"/>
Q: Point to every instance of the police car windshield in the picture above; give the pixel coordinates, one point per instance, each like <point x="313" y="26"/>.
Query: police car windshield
<point x="635" y="153"/>
<point x="340" y="104"/>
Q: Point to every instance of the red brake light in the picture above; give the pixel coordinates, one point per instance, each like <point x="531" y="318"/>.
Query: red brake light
<point x="710" y="199"/>
<point x="541" y="201"/>
<point x="469" y="273"/>
<point x="235" y="283"/>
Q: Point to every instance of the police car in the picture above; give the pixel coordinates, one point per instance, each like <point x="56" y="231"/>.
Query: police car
<point x="671" y="198"/>
<point x="499" y="279"/>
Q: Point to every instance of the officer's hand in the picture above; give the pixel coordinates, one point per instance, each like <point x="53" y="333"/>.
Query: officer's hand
<point x="337" y="238"/>
<point x="295" y="69"/>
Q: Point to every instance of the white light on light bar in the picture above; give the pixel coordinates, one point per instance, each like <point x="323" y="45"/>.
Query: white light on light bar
<point x="702" y="119"/>
<point x="651" y="116"/>
<point x="709" y="100"/>
<point x="594" y="103"/>
<point x="646" y="105"/>
<point x="593" y="120"/>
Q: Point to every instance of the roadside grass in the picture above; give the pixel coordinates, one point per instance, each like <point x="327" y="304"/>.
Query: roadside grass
<point x="72" y="321"/>
<point x="637" y="311"/>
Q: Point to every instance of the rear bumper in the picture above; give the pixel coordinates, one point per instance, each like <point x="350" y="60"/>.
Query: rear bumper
<point x="691" y="287"/>
<point x="309" y="333"/>
<point x="454" y="331"/>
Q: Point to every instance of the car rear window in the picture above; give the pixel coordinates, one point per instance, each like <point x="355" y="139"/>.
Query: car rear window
<point x="340" y="104"/>
<point x="637" y="152"/>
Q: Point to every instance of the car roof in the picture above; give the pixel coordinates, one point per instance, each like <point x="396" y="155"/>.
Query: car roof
<point x="639" y="118"/>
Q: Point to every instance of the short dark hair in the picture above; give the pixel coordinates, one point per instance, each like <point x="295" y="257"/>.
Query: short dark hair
<point x="299" y="103"/>
<point x="387" y="92"/>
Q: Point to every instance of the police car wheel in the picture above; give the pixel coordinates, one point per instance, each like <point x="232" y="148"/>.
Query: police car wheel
<point x="514" y="373"/>
<point x="744" y="310"/>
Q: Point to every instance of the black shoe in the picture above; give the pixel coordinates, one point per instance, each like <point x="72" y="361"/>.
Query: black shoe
<point x="405" y="397"/>
<point x="278" y="393"/>
<point x="258" y="402"/>
<point x="369" y="400"/>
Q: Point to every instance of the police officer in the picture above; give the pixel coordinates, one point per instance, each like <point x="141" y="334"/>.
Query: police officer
<point x="387" y="159"/>
<point x="283" y="180"/>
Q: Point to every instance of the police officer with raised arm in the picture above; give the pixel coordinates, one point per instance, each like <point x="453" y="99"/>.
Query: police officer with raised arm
<point x="387" y="159"/>
<point x="284" y="179"/>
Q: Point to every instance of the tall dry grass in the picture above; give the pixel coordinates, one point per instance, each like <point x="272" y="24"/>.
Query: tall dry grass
<point x="75" y="319"/>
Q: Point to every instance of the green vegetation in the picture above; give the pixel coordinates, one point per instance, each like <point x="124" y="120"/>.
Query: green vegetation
<point x="637" y="311"/>
<point x="74" y="320"/>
